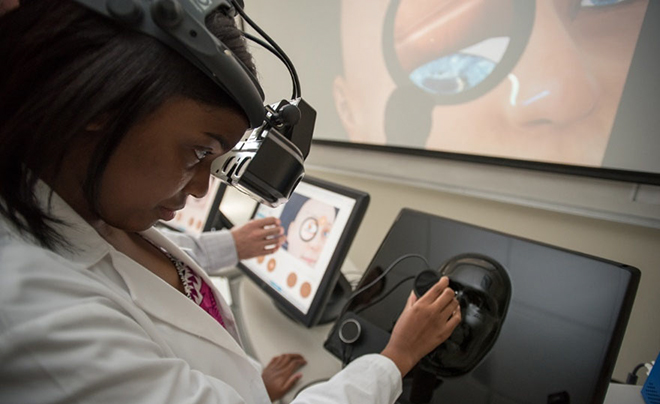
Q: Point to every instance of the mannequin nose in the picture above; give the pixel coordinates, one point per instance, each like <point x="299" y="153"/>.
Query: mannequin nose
<point x="552" y="84"/>
<point x="462" y="299"/>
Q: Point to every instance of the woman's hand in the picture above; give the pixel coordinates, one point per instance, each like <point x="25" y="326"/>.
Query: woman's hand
<point x="424" y="324"/>
<point x="258" y="237"/>
<point x="279" y="376"/>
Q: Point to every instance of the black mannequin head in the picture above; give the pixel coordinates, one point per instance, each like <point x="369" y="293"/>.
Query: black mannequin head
<point x="483" y="289"/>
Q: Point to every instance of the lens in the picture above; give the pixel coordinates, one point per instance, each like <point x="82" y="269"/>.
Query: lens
<point x="455" y="50"/>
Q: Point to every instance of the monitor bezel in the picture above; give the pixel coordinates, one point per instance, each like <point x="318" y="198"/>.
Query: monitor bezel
<point x="331" y="277"/>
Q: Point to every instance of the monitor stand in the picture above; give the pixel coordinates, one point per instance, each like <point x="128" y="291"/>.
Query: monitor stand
<point x="335" y="304"/>
<point x="337" y="300"/>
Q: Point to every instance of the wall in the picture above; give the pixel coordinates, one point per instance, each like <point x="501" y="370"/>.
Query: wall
<point x="634" y="245"/>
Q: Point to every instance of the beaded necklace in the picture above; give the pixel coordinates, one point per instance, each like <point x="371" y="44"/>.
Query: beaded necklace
<point x="178" y="264"/>
<point x="194" y="287"/>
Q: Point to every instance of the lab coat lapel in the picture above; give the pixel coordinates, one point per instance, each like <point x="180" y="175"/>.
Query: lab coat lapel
<point x="227" y="315"/>
<point x="148" y="290"/>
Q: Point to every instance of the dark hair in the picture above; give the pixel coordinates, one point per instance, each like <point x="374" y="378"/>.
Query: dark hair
<point x="64" y="68"/>
<point x="289" y="213"/>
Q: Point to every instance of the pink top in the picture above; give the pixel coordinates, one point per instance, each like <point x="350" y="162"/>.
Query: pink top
<point x="199" y="292"/>
<point x="194" y="286"/>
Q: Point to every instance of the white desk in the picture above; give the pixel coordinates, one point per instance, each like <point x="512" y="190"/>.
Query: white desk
<point x="624" y="394"/>
<point x="270" y="333"/>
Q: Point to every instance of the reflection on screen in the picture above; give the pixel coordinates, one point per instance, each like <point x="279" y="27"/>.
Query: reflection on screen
<point x="198" y="211"/>
<point x="313" y="221"/>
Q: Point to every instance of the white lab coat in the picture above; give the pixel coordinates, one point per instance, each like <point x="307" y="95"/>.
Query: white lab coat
<point x="213" y="250"/>
<point x="90" y="325"/>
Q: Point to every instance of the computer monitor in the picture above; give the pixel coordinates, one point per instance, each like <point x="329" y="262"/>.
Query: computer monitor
<point x="200" y="214"/>
<point x="303" y="277"/>
<point x="558" y="338"/>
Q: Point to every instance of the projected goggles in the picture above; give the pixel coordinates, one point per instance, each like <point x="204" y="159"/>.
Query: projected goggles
<point x="454" y="52"/>
<point x="267" y="163"/>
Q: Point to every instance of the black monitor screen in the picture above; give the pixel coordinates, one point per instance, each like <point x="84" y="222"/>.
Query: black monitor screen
<point x="558" y="342"/>
<point x="319" y="220"/>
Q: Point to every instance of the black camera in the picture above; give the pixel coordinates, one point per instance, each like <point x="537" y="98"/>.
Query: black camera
<point x="267" y="163"/>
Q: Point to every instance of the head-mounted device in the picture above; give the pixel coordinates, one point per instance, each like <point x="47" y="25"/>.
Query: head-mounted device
<point x="267" y="163"/>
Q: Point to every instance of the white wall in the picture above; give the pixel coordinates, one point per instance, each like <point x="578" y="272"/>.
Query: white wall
<point x="631" y="244"/>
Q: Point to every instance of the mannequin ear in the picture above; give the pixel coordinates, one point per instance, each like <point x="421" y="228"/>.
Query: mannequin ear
<point x="343" y="105"/>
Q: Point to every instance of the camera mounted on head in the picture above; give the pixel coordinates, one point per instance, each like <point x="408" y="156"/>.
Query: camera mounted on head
<point x="267" y="163"/>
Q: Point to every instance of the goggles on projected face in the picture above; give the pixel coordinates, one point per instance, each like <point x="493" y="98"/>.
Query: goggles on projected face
<point x="455" y="51"/>
<point x="267" y="163"/>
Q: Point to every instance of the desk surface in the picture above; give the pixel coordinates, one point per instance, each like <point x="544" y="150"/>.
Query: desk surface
<point x="270" y="333"/>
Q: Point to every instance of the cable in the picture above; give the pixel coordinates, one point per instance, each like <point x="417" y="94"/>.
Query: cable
<point x="272" y="50"/>
<point x="379" y="277"/>
<point x="264" y="44"/>
<point x="347" y="348"/>
<point x="401" y="282"/>
<point x="282" y="54"/>
<point x="632" y="376"/>
<point x="346" y="355"/>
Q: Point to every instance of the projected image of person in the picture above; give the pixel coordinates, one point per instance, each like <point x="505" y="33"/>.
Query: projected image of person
<point x="515" y="79"/>
<point x="307" y="224"/>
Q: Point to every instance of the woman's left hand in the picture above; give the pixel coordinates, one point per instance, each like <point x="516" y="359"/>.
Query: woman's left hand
<point x="280" y="374"/>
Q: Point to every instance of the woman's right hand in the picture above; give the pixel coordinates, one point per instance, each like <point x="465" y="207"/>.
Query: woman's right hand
<point x="424" y="324"/>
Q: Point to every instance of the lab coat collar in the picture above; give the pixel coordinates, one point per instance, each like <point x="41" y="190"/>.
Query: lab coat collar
<point x="147" y="290"/>
<point x="85" y="245"/>
<point x="202" y="324"/>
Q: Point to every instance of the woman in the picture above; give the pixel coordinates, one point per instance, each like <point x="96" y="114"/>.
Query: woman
<point x="103" y="132"/>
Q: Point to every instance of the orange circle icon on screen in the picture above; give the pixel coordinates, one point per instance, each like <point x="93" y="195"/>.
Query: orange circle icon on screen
<point x="292" y="279"/>
<point x="305" y="289"/>
<point x="271" y="265"/>
<point x="260" y="259"/>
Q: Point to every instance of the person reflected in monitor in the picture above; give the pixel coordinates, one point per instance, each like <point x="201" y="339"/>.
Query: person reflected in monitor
<point x="307" y="223"/>
<point x="557" y="104"/>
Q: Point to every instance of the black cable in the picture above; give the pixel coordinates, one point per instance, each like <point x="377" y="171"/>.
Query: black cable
<point x="284" y="57"/>
<point x="632" y="376"/>
<point x="264" y="44"/>
<point x="348" y="348"/>
<point x="401" y="282"/>
<point x="379" y="277"/>
<point x="272" y="50"/>
<point x="346" y="355"/>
